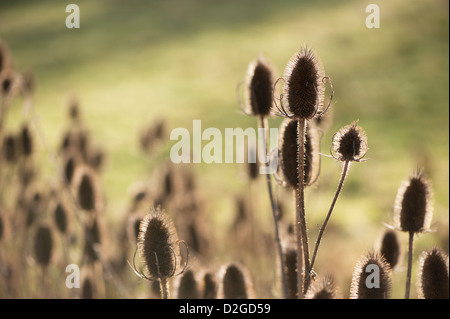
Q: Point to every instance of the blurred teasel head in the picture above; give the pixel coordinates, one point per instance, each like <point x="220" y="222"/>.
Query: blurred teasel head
<point x="324" y="288"/>
<point x="349" y="143"/>
<point x="390" y="248"/>
<point x="259" y="87"/>
<point x="43" y="245"/>
<point x="236" y="283"/>
<point x="433" y="278"/>
<point x="413" y="208"/>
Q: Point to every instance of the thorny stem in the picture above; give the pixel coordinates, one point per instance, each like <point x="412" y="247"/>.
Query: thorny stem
<point x="301" y="231"/>
<point x="275" y="210"/>
<point x="164" y="288"/>
<point x="336" y="195"/>
<point x="410" y="259"/>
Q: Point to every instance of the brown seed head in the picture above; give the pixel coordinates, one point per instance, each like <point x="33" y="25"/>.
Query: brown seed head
<point x="209" y="286"/>
<point x="26" y="141"/>
<point x="350" y="143"/>
<point x="371" y="278"/>
<point x="433" y="275"/>
<point x="158" y="245"/>
<point x="9" y="148"/>
<point x="86" y="182"/>
<point x="288" y="153"/>
<point x="413" y="208"/>
<point x="259" y="86"/>
<point x="304" y="86"/>
<point x="389" y="247"/>
<point x="236" y="283"/>
<point x="43" y="245"/>
<point x="323" y="288"/>
<point x="60" y="217"/>
<point x="188" y="287"/>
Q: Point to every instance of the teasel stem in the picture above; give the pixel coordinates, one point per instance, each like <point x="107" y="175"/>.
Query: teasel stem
<point x="164" y="288"/>
<point x="336" y="195"/>
<point x="301" y="232"/>
<point x="410" y="261"/>
<point x="275" y="211"/>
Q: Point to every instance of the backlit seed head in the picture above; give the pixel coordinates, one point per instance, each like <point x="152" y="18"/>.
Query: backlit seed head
<point x="26" y="141"/>
<point x="236" y="283"/>
<point x="371" y="278"/>
<point x="43" y="245"/>
<point x="304" y="85"/>
<point x="413" y="208"/>
<point x="86" y="186"/>
<point x="188" y="287"/>
<point x="289" y="156"/>
<point x="433" y="278"/>
<point x="60" y="217"/>
<point x="324" y="288"/>
<point x="158" y="245"/>
<point x="209" y="286"/>
<point x="259" y="86"/>
<point x="389" y="247"/>
<point x="349" y="143"/>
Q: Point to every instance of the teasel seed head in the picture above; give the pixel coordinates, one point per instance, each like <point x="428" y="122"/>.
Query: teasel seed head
<point x="324" y="288"/>
<point x="86" y="182"/>
<point x="304" y="85"/>
<point x="433" y="278"/>
<point x="9" y="148"/>
<point x="158" y="245"/>
<point x="390" y="248"/>
<point x="210" y="286"/>
<point x="26" y="141"/>
<point x="60" y="217"/>
<point x="43" y="245"/>
<point x="259" y="86"/>
<point x="288" y="153"/>
<point x="188" y="287"/>
<point x="236" y="283"/>
<point x="349" y="143"/>
<point x="413" y="208"/>
<point x="371" y="278"/>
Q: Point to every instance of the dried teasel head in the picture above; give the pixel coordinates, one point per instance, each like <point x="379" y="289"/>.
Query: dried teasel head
<point x="236" y="283"/>
<point x="25" y="141"/>
<point x="288" y="153"/>
<point x="413" y="208"/>
<point x="304" y="87"/>
<point x="60" y="216"/>
<point x="9" y="148"/>
<point x="349" y="143"/>
<point x="86" y="186"/>
<point x="371" y="278"/>
<point x="159" y="248"/>
<point x="210" y="286"/>
<point x="390" y="248"/>
<point x="324" y="288"/>
<point x="433" y="277"/>
<point x="43" y="245"/>
<point x="188" y="287"/>
<point x="259" y="87"/>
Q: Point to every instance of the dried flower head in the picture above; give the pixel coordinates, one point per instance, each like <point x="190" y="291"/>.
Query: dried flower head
<point x="324" y="288"/>
<point x="26" y="141"/>
<point x="371" y="278"/>
<point x="236" y="283"/>
<point x="259" y="85"/>
<point x="289" y="157"/>
<point x="86" y="184"/>
<point x="349" y="143"/>
<point x="413" y="208"/>
<point x="159" y="246"/>
<point x="209" y="286"/>
<point x="43" y="245"/>
<point x="304" y="85"/>
<point x="188" y="287"/>
<point x="60" y="216"/>
<point x="390" y="248"/>
<point x="433" y="278"/>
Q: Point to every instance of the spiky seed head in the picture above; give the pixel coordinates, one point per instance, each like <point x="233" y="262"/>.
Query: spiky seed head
<point x="433" y="278"/>
<point x="289" y="156"/>
<point x="390" y="247"/>
<point x="304" y="86"/>
<point x="26" y="141"/>
<point x="350" y="143"/>
<point x="86" y="184"/>
<point x="60" y="217"/>
<point x="259" y="86"/>
<point x="188" y="287"/>
<point x="413" y="208"/>
<point x="43" y="245"/>
<point x="371" y="278"/>
<point x="324" y="288"/>
<point x="236" y="283"/>
<point x="158" y="245"/>
<point x="209" y="286"/>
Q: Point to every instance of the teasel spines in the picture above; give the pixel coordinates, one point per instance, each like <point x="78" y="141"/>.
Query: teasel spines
<point x="304" y="85"/>
<point x="288" y="153"/>
<point x="323" y="288"/>
<point x="389" y="247"/>
<point x="158" y="245"/>
<point x="381" y="275"/>
<point x="188" y="286"/>
<point x="236" y="283"/>
<point x="349" y="143"/>
<point x="413" y="208"/>
<point x="433" y="276"/>
<point x="259" y="87"/>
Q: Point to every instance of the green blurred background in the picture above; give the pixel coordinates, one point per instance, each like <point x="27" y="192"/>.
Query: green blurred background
<point x="132" y="62"/>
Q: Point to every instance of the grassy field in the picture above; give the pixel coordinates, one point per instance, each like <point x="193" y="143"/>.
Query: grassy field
<point x="132" y="62"/>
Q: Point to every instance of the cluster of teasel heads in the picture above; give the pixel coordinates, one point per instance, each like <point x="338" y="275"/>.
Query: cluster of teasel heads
<point x="302" y="104"/>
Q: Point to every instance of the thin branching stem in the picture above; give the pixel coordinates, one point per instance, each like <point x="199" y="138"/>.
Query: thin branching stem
<point x="336" y="195"/>
<point x="275" y="211"/>
<point x="301" y="230"/>
<point x="410" y="260"/>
